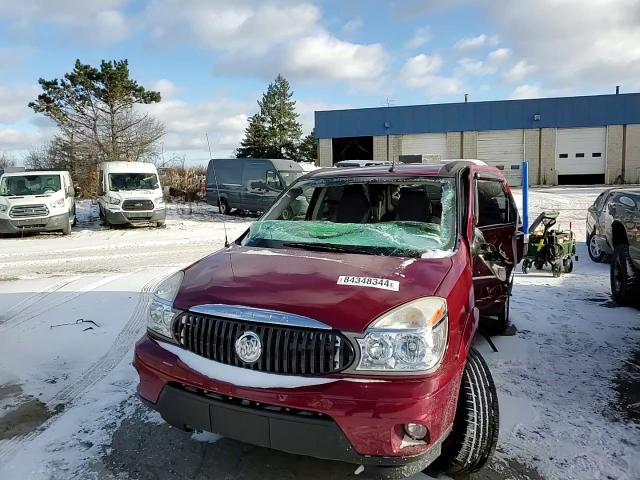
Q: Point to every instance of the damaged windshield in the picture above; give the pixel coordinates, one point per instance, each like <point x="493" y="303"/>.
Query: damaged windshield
<point x="381" y="216"/>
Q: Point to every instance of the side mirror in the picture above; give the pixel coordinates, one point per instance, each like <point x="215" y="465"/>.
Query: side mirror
<point x="77" y="191"/>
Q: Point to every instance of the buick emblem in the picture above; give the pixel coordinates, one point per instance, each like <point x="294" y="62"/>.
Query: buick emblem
<point x="248" y="347"/>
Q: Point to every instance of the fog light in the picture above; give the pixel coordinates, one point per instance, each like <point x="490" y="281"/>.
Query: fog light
<point x="415" y="430"/>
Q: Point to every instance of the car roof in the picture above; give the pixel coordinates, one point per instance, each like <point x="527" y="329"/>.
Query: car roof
<point x="444" y="169"/>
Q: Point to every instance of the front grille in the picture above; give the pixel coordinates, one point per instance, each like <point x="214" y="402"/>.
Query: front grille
<point x="26" y="211"/>
<point x="136" y="205"/>
<point x="285" y="350"/>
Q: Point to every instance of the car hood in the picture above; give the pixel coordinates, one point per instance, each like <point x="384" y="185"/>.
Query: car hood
<point x="43" y="199"/>
<point x="305" y="283"/>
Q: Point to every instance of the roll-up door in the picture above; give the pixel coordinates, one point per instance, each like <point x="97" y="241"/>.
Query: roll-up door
<point x="503" y="149"/>
<point x="581" y="155"/>
<point x="432" y="146"/>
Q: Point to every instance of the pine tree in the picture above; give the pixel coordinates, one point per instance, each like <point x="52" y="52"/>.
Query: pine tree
<point x="275" y="131"/>
<point x="308" y="150"/>
<point x="254" y="143"/>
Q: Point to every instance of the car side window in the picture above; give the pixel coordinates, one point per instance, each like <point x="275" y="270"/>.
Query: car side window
<point x="273" y="181"/>
<point x="494" y="205"/>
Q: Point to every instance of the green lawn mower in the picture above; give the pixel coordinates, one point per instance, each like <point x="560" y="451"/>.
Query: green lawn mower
<point x="548" y="246"/>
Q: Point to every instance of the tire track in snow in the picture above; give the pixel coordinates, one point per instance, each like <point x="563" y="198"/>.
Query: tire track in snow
<point x="25" y="304"/>
<point x="98" y="370"/>
<point x="50" y="301"/>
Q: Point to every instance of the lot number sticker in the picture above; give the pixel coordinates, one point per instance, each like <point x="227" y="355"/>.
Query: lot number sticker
<point x="383" y="283"/>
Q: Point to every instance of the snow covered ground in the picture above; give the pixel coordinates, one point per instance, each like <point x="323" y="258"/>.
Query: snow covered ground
<point x="67" y="392"/>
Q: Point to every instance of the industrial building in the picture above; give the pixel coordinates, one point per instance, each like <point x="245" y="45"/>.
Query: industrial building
<point x="566" y="141"/>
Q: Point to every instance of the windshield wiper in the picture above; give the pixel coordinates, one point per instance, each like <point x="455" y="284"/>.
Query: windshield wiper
<point x="328" y="247"/>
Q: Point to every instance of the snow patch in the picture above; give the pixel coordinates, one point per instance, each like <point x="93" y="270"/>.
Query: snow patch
<point x="205" y="437"/>
<point x="241" y="377"/>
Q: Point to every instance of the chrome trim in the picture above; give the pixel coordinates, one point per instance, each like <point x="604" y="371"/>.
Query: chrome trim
<point x="259" y="315"/>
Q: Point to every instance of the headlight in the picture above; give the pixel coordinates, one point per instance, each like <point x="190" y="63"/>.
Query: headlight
<point x="161" y="308"/>
<point x="113" y="200"/>
<point x="409" y="339"/>
<point x="58" y="203"/>
<point x="159" y="200"/>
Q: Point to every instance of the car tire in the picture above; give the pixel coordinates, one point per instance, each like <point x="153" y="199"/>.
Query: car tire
<point x="161" y="225"/>
<point x="473" y="438"/>
<point x="595" y="252"/>
<point x="625" y="278"/>
<point x="223" y="207"/>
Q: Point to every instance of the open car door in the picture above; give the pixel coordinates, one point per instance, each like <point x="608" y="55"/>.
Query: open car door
<point x="498" y="242"/>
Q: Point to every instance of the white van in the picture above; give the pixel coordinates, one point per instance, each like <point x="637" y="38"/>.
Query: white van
<point x="38" y="201"/>
<point x="129" y="193"/>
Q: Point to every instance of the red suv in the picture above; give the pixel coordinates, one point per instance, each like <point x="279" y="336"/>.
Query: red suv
<point x="345" y="332"/>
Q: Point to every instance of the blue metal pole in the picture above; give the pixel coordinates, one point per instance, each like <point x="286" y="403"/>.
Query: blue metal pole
<point x="525" y="196"/>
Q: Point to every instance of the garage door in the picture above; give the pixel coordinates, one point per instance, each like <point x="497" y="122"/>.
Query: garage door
<point x="432" y="146"/>
<point x="581" y="152"/>
<point x="503" y="149"/>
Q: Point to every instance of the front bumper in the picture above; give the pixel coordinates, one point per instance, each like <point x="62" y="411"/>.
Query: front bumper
<point x="124" y="217"/>
<point x="356" y="422"/>
<point x="43" y="224"/>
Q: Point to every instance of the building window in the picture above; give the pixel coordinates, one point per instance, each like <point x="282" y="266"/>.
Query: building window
<point x="596" y="154"/>
<point x="564" y="155"/>
<point x="579" y="155"/>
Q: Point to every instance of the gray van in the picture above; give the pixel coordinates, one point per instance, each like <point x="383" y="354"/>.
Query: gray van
<point x="250" y="184"/>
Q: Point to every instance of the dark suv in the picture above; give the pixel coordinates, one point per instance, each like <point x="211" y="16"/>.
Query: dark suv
<point x="345" y="332"/>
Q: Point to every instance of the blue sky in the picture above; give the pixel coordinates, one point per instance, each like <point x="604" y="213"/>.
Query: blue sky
<point x="212" y="59"/>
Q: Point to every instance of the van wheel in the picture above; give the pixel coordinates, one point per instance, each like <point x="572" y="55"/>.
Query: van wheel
<point x="223" y="206"/>
<point x="475" y="427"/>
<point x="67" y="228"/>
<point x="625" y="278"/>
<point x="287" y="214"/>
<point x="161" y="225"/>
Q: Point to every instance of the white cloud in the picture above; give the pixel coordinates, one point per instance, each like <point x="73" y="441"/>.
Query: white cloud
<point x="96" y="21"/>
<point x="20" y="141"/>
<point x="526" y="91"/>
<point x="352" y="26"/>
<point x="325" y="57"/>
<point x="266" y="38"/>
<point x="187" y="123"/>
<point x="421" y="36"/>
<point x="234" y="26"/>
<point x="14" y="100"/>
<point x="167" y="88"/>
<point x="575" y="45"/>
<point x="471" y="42"/>
<point x="422" y="72"/>
<point x="470" y="66"/>
<point x="499" y="56"/>
<point x="519" y="71"/>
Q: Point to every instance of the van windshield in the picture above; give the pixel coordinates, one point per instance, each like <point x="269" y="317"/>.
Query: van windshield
<point x="30" y="185"/>
<point x="133" y="181"/>
<point x="290" y="176"/>
<point x="409" y="217"/>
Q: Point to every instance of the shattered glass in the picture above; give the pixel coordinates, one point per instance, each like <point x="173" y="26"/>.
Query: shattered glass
<point x="375" y="235"/>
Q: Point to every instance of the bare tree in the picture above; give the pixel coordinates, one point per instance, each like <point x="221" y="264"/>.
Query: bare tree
<point x="6" y="161"/>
